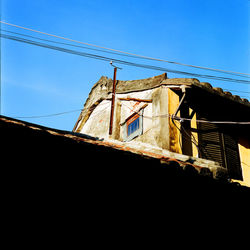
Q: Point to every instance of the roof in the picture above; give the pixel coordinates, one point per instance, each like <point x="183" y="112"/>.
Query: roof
<point x="42" y="161"/>
<point x="14" y="132"/>
<point x="202" y="92"/>
<point x="105" y="85"/>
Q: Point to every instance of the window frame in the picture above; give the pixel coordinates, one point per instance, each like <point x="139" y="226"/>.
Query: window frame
<point x="131" y="121"/>
<point x="132" y="118"/>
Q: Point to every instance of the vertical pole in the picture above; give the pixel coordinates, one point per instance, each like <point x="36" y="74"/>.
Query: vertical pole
<point x="186" y="131"/>
<point x="112" y="103"/>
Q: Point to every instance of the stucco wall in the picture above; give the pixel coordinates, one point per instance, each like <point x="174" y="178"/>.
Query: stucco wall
<point x="174" y="127"/>
<point x="155" y="119"/>
<point x="98" y="122"/>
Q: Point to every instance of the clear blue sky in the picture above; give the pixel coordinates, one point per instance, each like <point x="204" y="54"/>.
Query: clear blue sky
<point x="39" y="81"/>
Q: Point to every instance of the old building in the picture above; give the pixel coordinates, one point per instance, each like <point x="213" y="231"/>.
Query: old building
<point x="180" y="117"/>
<point x="146" y="173"/>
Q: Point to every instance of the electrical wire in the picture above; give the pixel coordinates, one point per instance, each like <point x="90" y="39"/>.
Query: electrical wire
<point x="53" y="114"/>
<point x="48" y="115"/>
<point x="180" y="119"/>
<point x="68" y="44"/>
<point x="127" y="53"/>
<point x="84" y="47"/>
<point x="239" y="91"/>
<point x="214" y="122"/>
<point x="99" y="57"/>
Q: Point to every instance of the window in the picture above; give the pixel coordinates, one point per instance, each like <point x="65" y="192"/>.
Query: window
<point x="132" y="127"/>
<point x="133" y="124"/>
<point x="220" y="146"/>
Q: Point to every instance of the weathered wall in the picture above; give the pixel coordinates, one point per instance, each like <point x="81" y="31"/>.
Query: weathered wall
<point x="98" y="122"/>
<point x="103" y="88"/>
<point x="130" y="106"/>
<point x="155" y="119"/>
<point x="160" y="118"/>
<point x="174" y="128"/>
<point x="194" y="135"/>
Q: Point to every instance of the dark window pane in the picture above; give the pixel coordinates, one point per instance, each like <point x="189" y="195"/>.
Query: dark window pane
<point x="133" y="126"/>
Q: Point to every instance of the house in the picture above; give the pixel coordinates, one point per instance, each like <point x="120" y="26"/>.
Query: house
<point x="180" y="117"/>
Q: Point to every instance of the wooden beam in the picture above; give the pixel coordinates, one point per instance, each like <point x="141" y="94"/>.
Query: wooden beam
<point x="135" y="99"/>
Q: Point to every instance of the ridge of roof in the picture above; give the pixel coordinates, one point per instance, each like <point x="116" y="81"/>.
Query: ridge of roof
<point x="103" y="87"/>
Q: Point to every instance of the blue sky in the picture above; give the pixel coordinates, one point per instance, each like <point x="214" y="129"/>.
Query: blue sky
<point x="38" y="81"/>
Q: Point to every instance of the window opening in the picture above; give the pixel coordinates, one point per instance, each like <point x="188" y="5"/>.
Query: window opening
<point x="133" y="124"/>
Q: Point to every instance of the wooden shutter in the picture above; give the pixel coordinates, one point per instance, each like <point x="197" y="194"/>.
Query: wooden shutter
<point x="232" y="156"/>
<point x="221" y="147"/>
<point x="210" y="143"/>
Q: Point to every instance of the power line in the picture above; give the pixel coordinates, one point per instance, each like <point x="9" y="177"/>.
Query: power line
<point x="48" y="115"/>
<point x="95" y="56"/>
<point x="180" y="119"/>
<point x="68" y="44"/>
<point x="214" y="122"/>
<point x="84" y="47"/>
<point x="127" y="53"/>
<point x="239" y="91"/>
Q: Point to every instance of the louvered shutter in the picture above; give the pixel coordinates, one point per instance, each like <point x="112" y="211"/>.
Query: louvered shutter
<point x="220" y="147"/>
<point x="210" y="143"/>
<point x="232" y="157"/>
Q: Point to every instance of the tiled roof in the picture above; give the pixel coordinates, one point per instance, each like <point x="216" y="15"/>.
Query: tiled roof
<point x="166" y="158"/>
<point x="104" y="86"/>
<point x="51" y="161"/>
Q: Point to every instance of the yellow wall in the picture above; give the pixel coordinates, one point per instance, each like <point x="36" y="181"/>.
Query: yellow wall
<point x="174" y="133"/>
<point x="175" y="139"/>
<point x="194" y="135"/>
<point x="174" y="129"/>
<point x="244" y="150"/>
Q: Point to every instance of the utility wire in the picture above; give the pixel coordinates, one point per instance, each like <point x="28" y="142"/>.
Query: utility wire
<point x="239" y="91"/>
<point x="70" y="44"/>
<point x="84" y="47"/>
<point x="127" y="53"/>
<point x="180" y="119"/>
<point x="173" y="117"/>
<point x="214" y="122"/>
<point x="48" y="115"/>
<point x="95" y="56"/>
